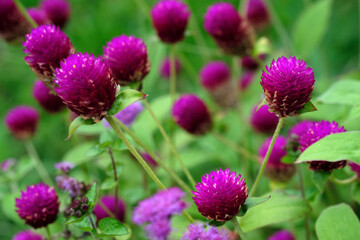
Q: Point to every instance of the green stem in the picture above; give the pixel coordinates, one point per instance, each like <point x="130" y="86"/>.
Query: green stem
<point x="266" y="159"/>
<point x="115" y="179"/>
<point x="237" y="227"/>
<point x="359" y="31"/>
<point x="172" y="74"/>
<point x="48" y="232"/>
<point x="343" y="181"/>
<point x="93" y="226"/>
<point x="302" y="190"/>
<point x="133" y="151"/>
<point x="172" y="148"/>
<point x="24" y="12"/>
<point x="40" y="168"/>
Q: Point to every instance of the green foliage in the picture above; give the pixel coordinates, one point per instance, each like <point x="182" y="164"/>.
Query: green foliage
<point x="250" y="203"/>
<point x="110" y="227"/>
<point x="124" y="99"/>
<point x="342" y="92"/>
<point x="79" y="121"/>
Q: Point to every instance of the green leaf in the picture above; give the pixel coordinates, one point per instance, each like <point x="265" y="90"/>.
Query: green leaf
<point x="311" y="26"/>
<point x="108" y="183"/>
<point x="319" y="178"/>
<point x="308" y="107"/>
<point x="334" y="147"/>
<point x="338" y="222"/>
<point x="95" y="151"/>
<point x="342" y="92"/>
<point x="279" y="208"/>
<point x="85" y="224"/>
<point x="110" y="227"/>
<point x="250" y="203"/>
<point x="124" y="99"/>
<point x="79" y="121"/>
<point x="261" y="103"/>
<point x="106" y="138"/>
<point x="216" y="223"/>
<point x="119" y="168"/>
<point x="92" y="194"/>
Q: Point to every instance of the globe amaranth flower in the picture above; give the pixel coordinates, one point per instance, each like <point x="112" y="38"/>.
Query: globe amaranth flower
<point x="355" y="168"/>
<point x="314" y="133"/>
<point x="282" y="235"/>
<point x="158" y="230"/>
<point x="295" y="132"/>
<point x="191" y="114"/>
<point x="287" y="85"/>
<point x="128" y="115"/>
<point x="13" y="25"/>
<point x="86" y="86"/>
<point x="38" y="205"/>
<point x="249" y="63"/>
<point x="170" y="18"/>
<point x="39" y="16"/>
<point x="262" y="120"/>
<point x="28" y="235"/>
<point x="71" y="185"/>
<point x="245" y="80"/>
<point x="58" y="11"/>
<point x="275" y="169"/>
<point x="64" y="166"/>
<point x="109" y="202"/>
<point x="22" y="122"/>
<point x="220" y="195"/>
<point x="165" y="68"/>
<point x="257" y="13"/>
<point x="127" y="58"/>
<point x="50" y="102"/>
<point x="230" y="31"/>
<point x="45" y="47"/>
<point x="198" y="231"/>
<point x="7" y="164"/>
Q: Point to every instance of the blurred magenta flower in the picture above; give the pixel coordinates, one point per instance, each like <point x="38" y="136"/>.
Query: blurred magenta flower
<point x="165" y="68"/>
<point x="7" y="164"/>
<point x="245" y="80"/>
<point x="257" y="13"/>
<point x="39" y="16"/>
<point x="109" y="202"/>
<point x="128" y="115"/>
<point x="262" y="120"/>
<point x="149" y="159"/>
<point x="58" y="11"/>
<point x="50" y="102"/>
<point x="299" y="128"/>
<point x="22" y="122"/>
<point x="28" y="235"/>
<point x="159" y="229"/>
<point x="71" y="185"/>
<point x="197" y="231"/>
<point x="282" y="235"/>
<point x="249" y="63"/>
<point x="64" y="166"/>
<point x="355" y="168"/>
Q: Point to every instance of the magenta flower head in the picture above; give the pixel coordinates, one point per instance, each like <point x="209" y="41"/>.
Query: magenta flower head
<point x="191" y="114"/>
<point x="287" y="85"/>
<point x="28" y="235"/>
<point x="298" y="129"/>
<point x="282" y="235"/>
<point x="262" y="120"/>
<point x="127" y="57"/>
<point x="165" y="68"/>
<point x="109" y="202"/>
<point x="58" y="11"/>
<point x="64" y="166"/>
<point x="158" y="230"/>
<point x="22" y="122"/>
<point x="85" y="84"/>
<point x="7" y="164"/>
<point x="128" y="115"/>
<point x="257" y="13"/>
<point x="198" y="231"/>
<point x="355" y="168"/>
<point x="230" y="31"/>
<point x="246" y="79"/>
<point x="249" y="63"/>
<point x="314" y="133"/>
<point x="50" y="102"/>
<point x="220" y="195"/>
<point x="45" y="47"/>
<point x="39" y="16"/>
<point x="38" y="205"/>
<point x="170" y="18"/>
<point x="275" y="169"/>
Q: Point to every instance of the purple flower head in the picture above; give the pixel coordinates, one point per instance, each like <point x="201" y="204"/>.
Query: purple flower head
<point x="314" y="133"/>
<point x="298" y="129"/>
<point x="170" y="18"/>
<point x="275" y="169"/>
<point x="58" y="11"/>
<point x="158" y="230"/>
<point x="45" y="47"/>
<point x="287" y="85"/>
<point x="355" y="168"/>
<point x="12" y="23"/>
<point x="191" y="114"/>
<point x="38" y="205"/>
<point x="282" y="235"/>
<point x="165" y="68"/>
<point x="249" y="63"/>
<point x="64" y="166"/>
<point x="257" y="13"/>
<point x="231" y="32"/>
<point x="128" y="115"/>
<point x="50" y="102"/>
<point x="71" y="185"/>
<point x="149" y="159"/>
<point x="127" y="58"/>
<point x="7" y="164"/>
<point x="246" y="79"/>
<point x="198" y="231"/>
<point x="109" y="202"/>
<point x="39" y="16"/>
<point x="28" y="235"/>
<point x="214" y="74"/>
<point x="86" y="86"/>
<point x="22" y="122"/>
<point x="262" y="120"/>
<point x="220" y="195"/>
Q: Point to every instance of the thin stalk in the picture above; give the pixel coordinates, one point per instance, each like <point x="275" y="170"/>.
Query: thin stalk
<point x="237" y="227"/>
<point x="48" y="233"/>
<point x="172" y="74"/>
<point x="40" y="168"/>
<point x="24" y="12"/>
<point x="343" y="181"/>
<point x="302" y="190"/>
<point x="106" y="209"/>
<point x="266" y="159"/>
<point x="173" y="149"/>
<point x="93" y="226"/>
<point x="115" y="179"/>
<point x="359" y="31"/>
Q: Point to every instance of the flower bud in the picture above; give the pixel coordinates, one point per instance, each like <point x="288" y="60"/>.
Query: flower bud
<point x="50" y="102"/>
<point x="58" y="11"/>
<point x="39" y="16"/>
<point x="245" y="80"/>
<point x="257" y="13"/>
<point x="249" y="63"/>
<point x="263" y="121"/>
<point x="165" y="68"/>
<point x="22" y="122"/>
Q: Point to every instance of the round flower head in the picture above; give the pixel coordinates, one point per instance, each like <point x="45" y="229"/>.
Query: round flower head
<point x="191" y="114"/>
<point x="38" y="205"/>
<point x="28" y="235"/>
<point x="220" y="195"/>
<point x="275" y="169"/>
<point x="246" y="79"/>
<point x="298" y="129"/>
<point x="109" y="202"/>
<point x="197" y="231"/>
<point x="214" y="74"/>
<point x="355" y="168"/>
<point x="50" y="102"/>
<point x="170" y="18"/>
<point x="58" y="11"/>
<point x="165" y="68"/>
<point x="287" y="85"/>
<point x="128" y="115"/>
<point x="39" y="16"/>
<point x="282" y="235"/>
<point x="45" y="47"/>
<point x="127" y="57"/>
<point x="257" y="13"/>
<point x="314" y="133"/>
<point x="22" y="122"/>
<point x="86" y="86"/>
<point x="159" y="229"/>
<point x="12" y="23"/>
<point x="249" y="63"/>
<point x="262" y="120"/>
<point x="231" y="32"/>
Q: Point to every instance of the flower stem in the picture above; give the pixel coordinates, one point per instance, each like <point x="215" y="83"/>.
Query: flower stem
<point x="40" y="168"/>
<point x="236" y="224"/>
<point x="267" y="156"/>
<point x="173" y="149"/>
<point x="48" y="232"/>
<point x="302" y="190"/>
<point x="115" y="179"/>
<point x="343" y="181"/>
<point x="24" y="12"/>
<point x="93" y="226"/>
<point x="172" y="74"/>
<point x="359" y="32"/>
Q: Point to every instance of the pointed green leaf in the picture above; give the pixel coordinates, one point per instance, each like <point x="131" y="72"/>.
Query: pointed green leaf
<point x="261" y="103"/>
<point x="110" y="227"/>
<point x="108" y="183"/>
<point x="124" y="99"/>
<point x="319" y="178"/>
<point x="79" y="121"/>
<point x="92" y="196"/>
<point x="308" y="107"/>
<point x="85" y="224"/>
<point x="250" y="203"/>
<point x="342" y="92"/>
